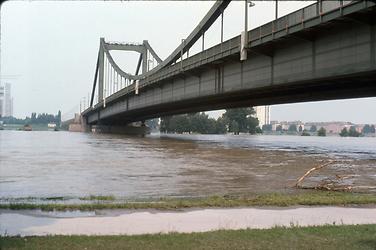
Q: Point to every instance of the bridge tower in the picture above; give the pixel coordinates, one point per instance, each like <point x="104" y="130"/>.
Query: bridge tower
<point x="110" y="77"/>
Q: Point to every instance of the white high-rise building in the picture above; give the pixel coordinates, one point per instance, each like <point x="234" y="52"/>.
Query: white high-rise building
<point x="263" y="115"/>
<point x="8" y="100"/>
<point x="2" y="91"/>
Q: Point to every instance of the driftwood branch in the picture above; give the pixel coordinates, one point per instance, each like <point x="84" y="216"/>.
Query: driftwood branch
<point x="311" y="170"/>
<point x="330" y="184"/>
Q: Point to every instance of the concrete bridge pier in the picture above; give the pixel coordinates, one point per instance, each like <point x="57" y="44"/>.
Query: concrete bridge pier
<point x="80" y="124"/>
<point x="129" y="129"/>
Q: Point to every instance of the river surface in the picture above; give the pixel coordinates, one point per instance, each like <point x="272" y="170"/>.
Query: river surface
<point x="47" y="164"/>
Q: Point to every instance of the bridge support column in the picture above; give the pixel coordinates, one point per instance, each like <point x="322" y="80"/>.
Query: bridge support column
<point x="79" y="124"/>
<point x="86" y="127"/>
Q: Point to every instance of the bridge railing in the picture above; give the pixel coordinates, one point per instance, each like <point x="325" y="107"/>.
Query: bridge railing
<point x="298" y="17"/>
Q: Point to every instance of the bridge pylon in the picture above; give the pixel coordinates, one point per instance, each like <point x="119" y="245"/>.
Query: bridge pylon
<point x="110" y="77"/>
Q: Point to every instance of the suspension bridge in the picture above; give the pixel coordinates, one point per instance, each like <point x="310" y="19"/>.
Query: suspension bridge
<point x="324" y="51"/>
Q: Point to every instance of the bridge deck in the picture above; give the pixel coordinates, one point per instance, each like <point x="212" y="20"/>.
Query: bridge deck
<point x="269" y="55"/>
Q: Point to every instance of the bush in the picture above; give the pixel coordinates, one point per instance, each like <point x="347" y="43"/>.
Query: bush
<point x="344" y="132"/>
<point x="321" y="132"/>
<point x="353" y="132"/>
<point x="305" y="133"/>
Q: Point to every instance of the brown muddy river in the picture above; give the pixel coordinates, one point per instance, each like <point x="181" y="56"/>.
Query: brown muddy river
<point x="72" y="165"/>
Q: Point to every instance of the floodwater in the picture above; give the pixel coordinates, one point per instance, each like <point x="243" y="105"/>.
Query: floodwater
<point x="151" y="222"/>
<point x="49" y="165"/>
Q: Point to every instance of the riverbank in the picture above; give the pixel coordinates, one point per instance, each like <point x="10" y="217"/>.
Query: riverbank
<point x="322" y="237"/>
<point x="309" y="198"/>
<point x="150" y="221"/>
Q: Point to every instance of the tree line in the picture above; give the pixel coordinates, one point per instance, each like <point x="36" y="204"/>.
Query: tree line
<point x="42" y="118"/>
<point x="352" y="132"/>
<point x="239" y="120"/>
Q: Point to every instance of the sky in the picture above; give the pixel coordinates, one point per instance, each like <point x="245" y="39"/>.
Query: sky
<point x="49" y="49"/>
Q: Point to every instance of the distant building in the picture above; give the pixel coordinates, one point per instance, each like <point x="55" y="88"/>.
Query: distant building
<point x="51" y="125"/>
<point x="359" y="128"/>
<point x="263" y="115"/>
<point x="334" y="127"/>
<point x="2" y="90"/>
<point x="8" y="100"/>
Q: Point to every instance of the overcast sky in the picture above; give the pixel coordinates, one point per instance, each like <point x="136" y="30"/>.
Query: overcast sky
<point x="52" y="47"/>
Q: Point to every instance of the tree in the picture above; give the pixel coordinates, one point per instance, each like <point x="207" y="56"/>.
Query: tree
<point x="180" y="124"/>
<point x="368" y="129"/>
<point x="292" y="128"/>
<point x="234" y="127"/>
<point x="321" y="132"/>
<point x="244" y="122"/>
<point x="58" y="119"/>
<point x="305" y="133"/>
<point x="221" y="126"/>
<point x="300" y="128"/>
<point x="193" y="123"/>
<point x="267" y="127"/>
<point x="252" y="125"/>
<point x="42" y="118"/>
<point x="165" y="124"/>
<point x="239" y="115"/>
<point x="233" y="120"/>
<point x="278" y="128"/>
<point x="152" y="123"/>
<point x="211" y="126"/>
<point x="313" y="129"/>
<point x="33" y="117"/>
<point x="201" y="123"/>
<point x="344" y="132"/>
<point x="353" y="132"/>
<point x="13" y="120"/>
<point x="197" y="123"/>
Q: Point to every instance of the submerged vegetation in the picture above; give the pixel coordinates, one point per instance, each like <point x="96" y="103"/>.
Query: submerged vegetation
<point x="321" y="237"/>
<point x="272" y="199"/>
<point x="237" y="120"/>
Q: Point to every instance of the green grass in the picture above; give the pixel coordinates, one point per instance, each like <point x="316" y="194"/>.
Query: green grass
<point x="323" y="237"/>
<point x="55" y="198"/>
<point x="99" y="198"/>
<point x="272" y="199"/>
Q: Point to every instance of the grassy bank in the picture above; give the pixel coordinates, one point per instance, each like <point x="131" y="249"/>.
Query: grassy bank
<point x="323" y="237"/>
<point x="98" y="198"/>
<point x="273" y="199"/>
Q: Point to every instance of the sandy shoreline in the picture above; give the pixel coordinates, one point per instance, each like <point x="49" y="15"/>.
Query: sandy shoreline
<point x="135" y="222"/>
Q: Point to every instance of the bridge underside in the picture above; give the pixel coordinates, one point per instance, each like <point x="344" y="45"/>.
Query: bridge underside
<point x="352" y="86"/>
<point x="330" y="60"/>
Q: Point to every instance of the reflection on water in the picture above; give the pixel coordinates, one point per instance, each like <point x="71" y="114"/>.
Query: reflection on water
<point x="63" y="164"/>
